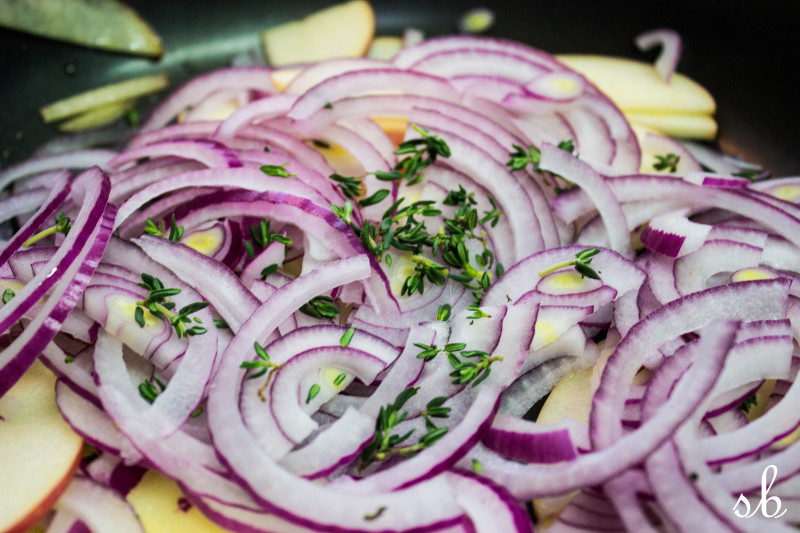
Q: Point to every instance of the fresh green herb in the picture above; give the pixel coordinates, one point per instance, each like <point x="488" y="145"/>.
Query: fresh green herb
<point x="312" y="392"/>
<point x="340" y="378"/>
<point x="443" y="313"/>
<point x="567" y="146"/>
<point x="221" y="324"/>
<point x="197" y="412"/>
<point x="156" y="303"/>
<point x="328" y="105"/>
<point x="581" y="263"/>
<point x="385" y="444"/>
<point x="748" y="403"/>
<point x="350" y="186"/>
<point x="347" y="337"/>
<point x="492" y="216"/>
<point x="319" y="143"/>
<point x="749" y="174"/>
<point x="693" y="477"/>
<point x="372" y="516"/>
<point x="267" y="270"/>
<point x="477" y="313"/>
<point x="422" y="153"/>
<point x="148" y="390"/>
<point x="424" y="269"/>
<point x="262" y="237"/>
<point x="520" y="157"/>
<point x="69" y="359"/>
<point x="667" y="162"/>
<point x="429" y="351"/>
<point x="263" y="363"/>
<point x="279" y="171"/>
<point x="391" y="175"/>
<point x="159" y="230"/>
<point x="469" y="371"/>
<point x="477" y="467"/>
<point x="8" y="294"/>
<point x="344" y="212"/>
<point x="375" y="198"/>
<point x="133" y="118"/>
<point x="320" y="307"/>
<point x="62" y="225"/>
<point x="266" y="149"/>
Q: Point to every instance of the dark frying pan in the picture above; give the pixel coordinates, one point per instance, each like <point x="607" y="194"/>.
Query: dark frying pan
<point x="744" y="52"/>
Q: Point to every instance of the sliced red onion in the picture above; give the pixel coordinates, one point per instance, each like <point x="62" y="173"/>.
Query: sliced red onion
<point x="99" y="507"/>
<point x="671" y="47"/>
<point x="80" y="159"/>
<point x="69" y="271"/>
<point x="199" y="88"/>
<point x="595" y="187"/>
<point x="674" y="235"/>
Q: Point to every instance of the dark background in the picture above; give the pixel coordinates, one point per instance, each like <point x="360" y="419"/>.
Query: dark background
<point x="745" y="53"/>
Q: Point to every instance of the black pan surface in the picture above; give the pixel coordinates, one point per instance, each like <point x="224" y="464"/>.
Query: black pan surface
<point x="745" y="53"/>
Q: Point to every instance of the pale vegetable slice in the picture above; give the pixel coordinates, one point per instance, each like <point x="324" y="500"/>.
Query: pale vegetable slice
<point x="343" y="30"/>
<point x="385" y="47"/>
<point x="162" y="507"/>
<point x="283" y="77"/>
<point x="40" y="452"/>
<point x="97" y="117"/>
<point x="104" y="24"/>
<point x="685" y="126"/>
<point x="636" y="86"/>
<point x="109" y="94"/>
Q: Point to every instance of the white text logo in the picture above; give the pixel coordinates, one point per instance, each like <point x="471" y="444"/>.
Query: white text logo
<point x="764" y="503"/>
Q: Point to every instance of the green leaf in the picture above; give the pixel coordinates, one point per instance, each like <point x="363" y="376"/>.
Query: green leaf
<point x="267" y="270"/>
<point x="376" y="198"/>
<point x="8" y="294"/>
<point x="340" y="378"/>
<point x="347" y="337"/>
<point x="138" y="315"/>
<point x="312" y="392"/>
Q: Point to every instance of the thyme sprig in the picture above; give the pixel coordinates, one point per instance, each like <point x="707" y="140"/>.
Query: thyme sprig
<point x="8" y="294"/>
<point x="429" y="351"/>
<point x="470" y="371"/>
<point x="320" y="307"/>
<point x="149" y="391"/>
<point x="581" y="263"/>
<point x="262" y="237"/>
<point x="748" y="403"/>
<point x="667" y="162"/>
<point x="265" y="365"/>
<point x="422" y="153"/>
<point x="278" y="171"/>
<point x="62" y="225"/>
<point x="158" y="305"/>
<point x="159" y="230"/>
<point x="386" y="444"/>
<point x="350" y="186"/>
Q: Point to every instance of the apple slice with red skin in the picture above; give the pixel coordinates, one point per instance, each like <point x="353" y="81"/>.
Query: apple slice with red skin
<point x="39" y="453"/>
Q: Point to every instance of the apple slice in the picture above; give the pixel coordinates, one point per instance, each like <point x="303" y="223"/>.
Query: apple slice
<point x="104" y="24"/>
<point x="162" y="507"/>
<point x="97" y="117"/>
<point x="39" y="452"/>
<point x="385" y="47"/>
<point x="343" y="30"/>
<point x="109" y="94"/>
<point x="685" y="126"/>
<point x="636" y="86"/>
